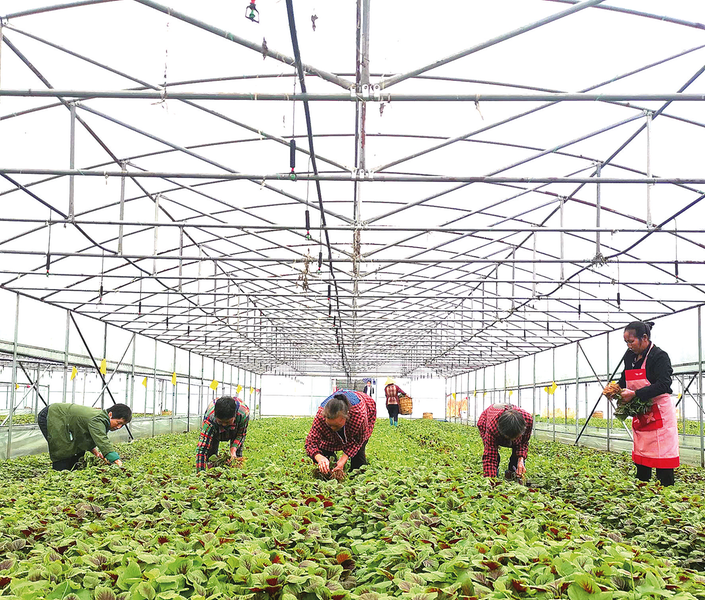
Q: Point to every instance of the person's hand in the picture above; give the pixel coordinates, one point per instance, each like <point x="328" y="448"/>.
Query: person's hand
<point x="521" y="469"/>
<point x="323" y="464"/>
<point x="118" y="463"/>
<point x="627" y="395"/>
<point x="99" y="455"/>
<point x="341" y="463"/>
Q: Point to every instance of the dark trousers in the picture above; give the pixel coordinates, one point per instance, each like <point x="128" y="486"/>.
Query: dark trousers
<point x="665" y="476"/>
<point x="513" y="462"/>
<point x="215" y="442"/>
<point x="355" y="461"/>
<point x="393" y="410"/>
<point x="65" y="464"/>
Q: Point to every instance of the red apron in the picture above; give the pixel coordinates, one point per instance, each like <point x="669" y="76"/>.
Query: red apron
<point x="656" y="432"/>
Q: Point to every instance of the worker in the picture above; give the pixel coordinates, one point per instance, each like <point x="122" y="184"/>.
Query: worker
<point x="647" y="375"/>
<point x="392" y="392"/>
<point x="510" y="427"/>
<point x="224" y="419"/>
<point x="72" y="429"/>
<point x="369" y="389"/>
<point x="344" y="421"/>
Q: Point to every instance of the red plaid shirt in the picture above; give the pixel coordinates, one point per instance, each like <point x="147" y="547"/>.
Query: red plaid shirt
<point x="235" y="433"/>
<point x="392" y="392"/>
<point x="492" y="439"/>
<point x="357" y="430"/>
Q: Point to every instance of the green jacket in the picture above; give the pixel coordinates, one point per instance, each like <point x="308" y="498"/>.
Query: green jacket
<point x="74" y="429"/>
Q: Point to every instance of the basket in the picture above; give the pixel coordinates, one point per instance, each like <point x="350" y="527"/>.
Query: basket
<point x="406" y="405"/>
<point x="428" y="415"/>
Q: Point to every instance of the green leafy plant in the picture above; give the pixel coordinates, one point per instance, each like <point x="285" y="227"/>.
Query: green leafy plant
<point x="419" y="521"/>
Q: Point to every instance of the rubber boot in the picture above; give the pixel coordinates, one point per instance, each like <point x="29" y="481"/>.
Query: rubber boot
<point x="396" y="423"/>
<point x="391" y="421"/>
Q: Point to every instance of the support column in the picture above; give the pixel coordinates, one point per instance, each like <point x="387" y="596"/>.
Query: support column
<point x="215" y="391"/>
<point x="609" y="404"/>
<point x="188" y="395"/>
<point x="562" y="235"/>
<point x="13" y="389"/>
<point x="363" y="90"/>
<point x="105" y="356"/>
<point x="174" y="397"/>
<point x="553" y="396"/>
<point x="122" y="209"/>
<point x="649" y="117"/>
<point x="533" y="394"/>
<point x="154" y="391"/>
<point x="132" y="374"/>
<point x="598" y="209"/>
<point x="475" y="415"/>
<point x="66" y="353"/>
<point x="200" y="387"/>
<point x="700" y="385"/>
<point x="519" y="383"/>
<point x="577" y="388"/>
<point x="72" y="155"/>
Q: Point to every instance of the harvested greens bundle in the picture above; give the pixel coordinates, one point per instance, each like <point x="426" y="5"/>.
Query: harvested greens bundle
<point x="627" y="408"/>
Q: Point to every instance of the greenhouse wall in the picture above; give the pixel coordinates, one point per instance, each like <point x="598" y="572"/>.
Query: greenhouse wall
<point x="168" y="389"/>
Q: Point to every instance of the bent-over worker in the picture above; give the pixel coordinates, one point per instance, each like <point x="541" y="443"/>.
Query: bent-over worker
<point x="72" y="429"/>
<point x="344" y="421"/>
<point x="225" y="419"/>
<point x="508" y="426"/>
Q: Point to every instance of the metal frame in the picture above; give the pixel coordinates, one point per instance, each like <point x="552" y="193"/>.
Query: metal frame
<point x="267" y="303"/>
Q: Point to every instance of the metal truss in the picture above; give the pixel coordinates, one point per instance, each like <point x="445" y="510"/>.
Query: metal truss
<point x="501" y="237"/>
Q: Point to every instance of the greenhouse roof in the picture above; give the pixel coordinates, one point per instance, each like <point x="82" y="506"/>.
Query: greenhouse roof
<point x="468" y="183"/>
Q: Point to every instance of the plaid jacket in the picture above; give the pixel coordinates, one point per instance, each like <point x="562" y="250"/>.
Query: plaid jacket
<point x="235" y="433"/>
<point x="392" y="392"/>
<point x="491" y="438"/>
<point x="357" y="430"/>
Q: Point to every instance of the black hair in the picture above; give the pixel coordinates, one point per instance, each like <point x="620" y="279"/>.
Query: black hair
<point x="120" y="411"/>
<point x="640" y="328"/>
<point x="225" y="408"/>
<point x="511" y="424"/>
<point x="337" y="406"/>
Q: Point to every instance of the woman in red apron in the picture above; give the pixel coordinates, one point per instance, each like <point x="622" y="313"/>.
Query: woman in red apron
<point x="647" y="374"/>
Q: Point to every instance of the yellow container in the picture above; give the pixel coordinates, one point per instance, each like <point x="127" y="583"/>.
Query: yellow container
<point x="428" y="415"/>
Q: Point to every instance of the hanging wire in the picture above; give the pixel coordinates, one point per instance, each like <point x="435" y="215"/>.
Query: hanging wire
<point x="102" y="273"/>
<point x="48" y="242"/>
<point x="675" y="264"/>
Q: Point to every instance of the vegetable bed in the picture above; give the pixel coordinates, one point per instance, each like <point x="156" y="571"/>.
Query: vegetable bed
<point x="419" y="522"/>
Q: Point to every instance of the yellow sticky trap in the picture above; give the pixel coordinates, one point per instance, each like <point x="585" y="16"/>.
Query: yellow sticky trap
<point x="238" y="389"/>
<point x="144" y="382"/>
<point x="252" y="390"/>
<point x="511" y="392"/>
<point x="103" y="367"/>
<point x="214" y="385"/>
<point x="173" y="378"/>
<point x="453" y="394"/>
<point x="74" y="372"/>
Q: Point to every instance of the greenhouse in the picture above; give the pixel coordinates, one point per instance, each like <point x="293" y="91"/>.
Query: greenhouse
<point x="279" y="223"/>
